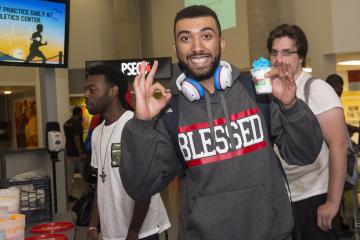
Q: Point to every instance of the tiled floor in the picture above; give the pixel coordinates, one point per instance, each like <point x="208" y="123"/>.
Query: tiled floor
<point x="171" y="200"/>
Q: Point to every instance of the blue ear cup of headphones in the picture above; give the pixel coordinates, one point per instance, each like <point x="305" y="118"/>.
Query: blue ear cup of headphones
<point x="217" y="83"/>
<point x="222" y="76"/>
<point x="193" y="90"/>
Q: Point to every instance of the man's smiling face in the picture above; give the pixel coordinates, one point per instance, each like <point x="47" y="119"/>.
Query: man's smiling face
<point x="198" y="46"/>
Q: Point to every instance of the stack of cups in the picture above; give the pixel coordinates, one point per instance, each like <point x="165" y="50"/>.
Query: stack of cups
<point x="10" y="200"/>
<point x="12" y="226"/>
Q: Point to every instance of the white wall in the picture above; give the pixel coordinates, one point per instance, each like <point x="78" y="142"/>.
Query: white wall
<point x="127" y="28"/>
<point x="156" y="20"/>
<point x="286" y="11"/>
<point x="92" y="31"/>
<point x="237" y="43"/>
<point x="18" y="76"/>
<point x="315" y="18"/>
<point x="345" y="24"/>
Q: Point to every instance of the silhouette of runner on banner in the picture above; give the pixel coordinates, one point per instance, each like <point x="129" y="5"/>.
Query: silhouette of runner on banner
<point x="36" y="43"/>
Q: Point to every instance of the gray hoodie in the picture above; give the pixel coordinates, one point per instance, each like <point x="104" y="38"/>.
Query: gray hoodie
<point x="233" y="187"/>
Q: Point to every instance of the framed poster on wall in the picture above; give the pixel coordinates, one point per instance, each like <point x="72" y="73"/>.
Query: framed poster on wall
<point x="26" y="130"/>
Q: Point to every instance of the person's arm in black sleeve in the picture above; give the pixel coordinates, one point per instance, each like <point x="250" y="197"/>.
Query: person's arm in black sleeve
<point x="294" y="128"/>
<point x="296" y="132"/>
<point x="149" y="160"/>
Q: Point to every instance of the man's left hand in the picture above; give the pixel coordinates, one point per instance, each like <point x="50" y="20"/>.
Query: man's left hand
<point x="283" y="84"/>
<point x="325" y="215"/>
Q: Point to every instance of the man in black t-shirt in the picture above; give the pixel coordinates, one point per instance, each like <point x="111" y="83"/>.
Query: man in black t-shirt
<point x="75" y="155"/>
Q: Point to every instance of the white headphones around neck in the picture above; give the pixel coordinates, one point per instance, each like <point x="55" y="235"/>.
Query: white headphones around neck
<point x="193" y="90"/>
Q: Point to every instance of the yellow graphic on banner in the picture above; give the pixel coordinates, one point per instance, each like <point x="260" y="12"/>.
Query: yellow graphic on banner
<point x="351" y="104"/>
<point x="19" y="49"/>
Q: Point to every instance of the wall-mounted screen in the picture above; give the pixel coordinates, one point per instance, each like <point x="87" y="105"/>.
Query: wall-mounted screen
<point x="34" y="32"/>
<point x="131" y="67"/>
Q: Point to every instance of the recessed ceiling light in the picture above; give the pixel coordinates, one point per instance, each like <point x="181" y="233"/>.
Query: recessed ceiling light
<point x="350" y="63"/>
<point x="309" y="70"/>
<point x="7" y="92"/>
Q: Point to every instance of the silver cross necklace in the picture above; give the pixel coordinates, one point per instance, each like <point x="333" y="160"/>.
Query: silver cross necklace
<point x="103" y="174"/>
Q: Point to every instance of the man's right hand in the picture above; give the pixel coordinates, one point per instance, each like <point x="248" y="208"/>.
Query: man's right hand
<point x="93" y="234"/>
<point x="147" y="106"/>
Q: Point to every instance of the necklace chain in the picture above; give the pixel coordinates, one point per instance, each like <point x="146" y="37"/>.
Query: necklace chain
<point x="103" y="175"/>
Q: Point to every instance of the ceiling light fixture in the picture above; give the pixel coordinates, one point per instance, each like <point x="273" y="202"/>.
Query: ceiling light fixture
<point x="350" y="63"/>
<point x="307" y="69"/>
<point x="7" y="92"/>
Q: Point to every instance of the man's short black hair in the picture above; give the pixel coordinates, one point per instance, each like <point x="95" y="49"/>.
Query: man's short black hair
<point x="334" y="80"/>
<point x="196" y="11"/>
<point x="293" y="32"/>
<point x="76" y="111"/>
<point x="114" y="77"/>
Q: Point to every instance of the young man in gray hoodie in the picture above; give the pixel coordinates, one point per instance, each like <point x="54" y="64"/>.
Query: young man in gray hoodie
<point x="232" y="185"/>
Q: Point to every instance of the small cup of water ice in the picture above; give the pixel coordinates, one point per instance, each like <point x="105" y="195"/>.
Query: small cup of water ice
<point x="259" y="68"/>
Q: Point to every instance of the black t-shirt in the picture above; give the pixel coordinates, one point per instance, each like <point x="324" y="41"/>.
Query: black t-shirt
<point x="72" y="127"/>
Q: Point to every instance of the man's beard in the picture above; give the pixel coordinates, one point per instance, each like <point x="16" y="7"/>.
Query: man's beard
<point x="199" y="76"/>
<point x="101" y="106"/>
